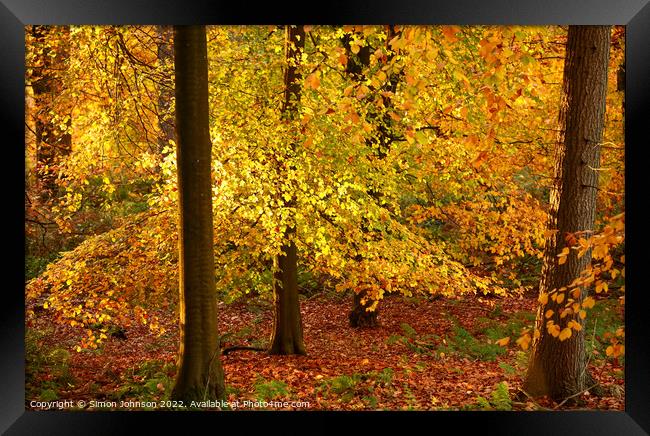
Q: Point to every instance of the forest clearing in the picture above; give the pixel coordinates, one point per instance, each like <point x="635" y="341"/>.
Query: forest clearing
<point x="325" y="217"/>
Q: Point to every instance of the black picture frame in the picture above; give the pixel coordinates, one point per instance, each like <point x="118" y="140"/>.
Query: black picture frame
<point x="15" y="14"/>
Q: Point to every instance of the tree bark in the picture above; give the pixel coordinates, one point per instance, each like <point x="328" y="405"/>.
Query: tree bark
<point x="359" y="316"/>
<point x="287" y="335"/>
<point x="52" y="141"/>
<point x="200" y="374"/>
<point x="558" y="368"/>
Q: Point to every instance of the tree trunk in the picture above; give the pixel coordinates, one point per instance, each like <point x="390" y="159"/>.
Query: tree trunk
<point x="558" y="368"/>
<point x="359" y="316"/>
<point x="165" y="87"/>
<point x="200" y="375"/>
<point x="52" y="141"/>
<point x="287" y="330"/>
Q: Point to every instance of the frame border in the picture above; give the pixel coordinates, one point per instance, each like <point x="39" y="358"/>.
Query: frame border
<point x="635" y="14"/>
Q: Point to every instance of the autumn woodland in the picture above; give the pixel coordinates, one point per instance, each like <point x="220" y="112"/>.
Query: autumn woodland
<point x="324" y="217"/>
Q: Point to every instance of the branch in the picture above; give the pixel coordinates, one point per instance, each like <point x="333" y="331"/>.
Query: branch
<point x="229" y="350"/>
<point x="575" y="395"/>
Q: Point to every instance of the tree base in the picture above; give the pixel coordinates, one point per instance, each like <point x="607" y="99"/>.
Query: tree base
<point x="287" y="349"/>
<point x="363" y="319"/>
<point x="360" y="317"/>
<point x="210" y="390"/>
<point x="567" y="394"/>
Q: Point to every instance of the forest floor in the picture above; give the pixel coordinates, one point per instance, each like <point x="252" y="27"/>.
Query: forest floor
<point x="427" y="354"/>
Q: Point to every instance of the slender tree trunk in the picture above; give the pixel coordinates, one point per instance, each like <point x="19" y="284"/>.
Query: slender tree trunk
<point x="165" y="87"/>
<point x="287" y="330"/>
<point x="558" y="368"/>
<point x="53" y="141"/>
<point x="359" y="316"/>
<point x="200" y="375"/>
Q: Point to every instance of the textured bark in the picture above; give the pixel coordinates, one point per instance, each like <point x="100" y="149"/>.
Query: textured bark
<point x="558" y="368"/>
<point x="52" y="143"/>
<point x="359" y="316"/>
<point x="200" y="375"/>
<point x="287" y="330"/>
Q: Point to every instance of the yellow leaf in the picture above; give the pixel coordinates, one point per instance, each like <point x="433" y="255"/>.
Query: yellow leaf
<point x="524" y="341"/>
<point x="560" y="298"/>
<point x="503" y="341"/>
<point x="563" y="255"/>
<point x="588" y="303"/>
<point x="565" y="333"/>
<point x="553" y="329"/>
<point x="543" y="298"/>
<point x="575" y="325"/>
<point x="548" y="314"/>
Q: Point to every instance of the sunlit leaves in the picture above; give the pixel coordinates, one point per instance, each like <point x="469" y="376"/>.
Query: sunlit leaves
<point x="100" y="282"/>
<point x="570" y="304"/>
<point x="427" y="172"/>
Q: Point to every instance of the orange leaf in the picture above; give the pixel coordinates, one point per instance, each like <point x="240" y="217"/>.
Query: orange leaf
<point x="588" y="303"/>
<point x="450" y="33"/>
<point x="565" y="333"/>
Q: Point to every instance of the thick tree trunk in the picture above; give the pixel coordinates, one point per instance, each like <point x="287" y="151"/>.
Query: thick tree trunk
<point x="52" y="141"/>
<point x="558" y="368"/>
<point x="200" y="375"/>
<point x="287" y="330"/>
